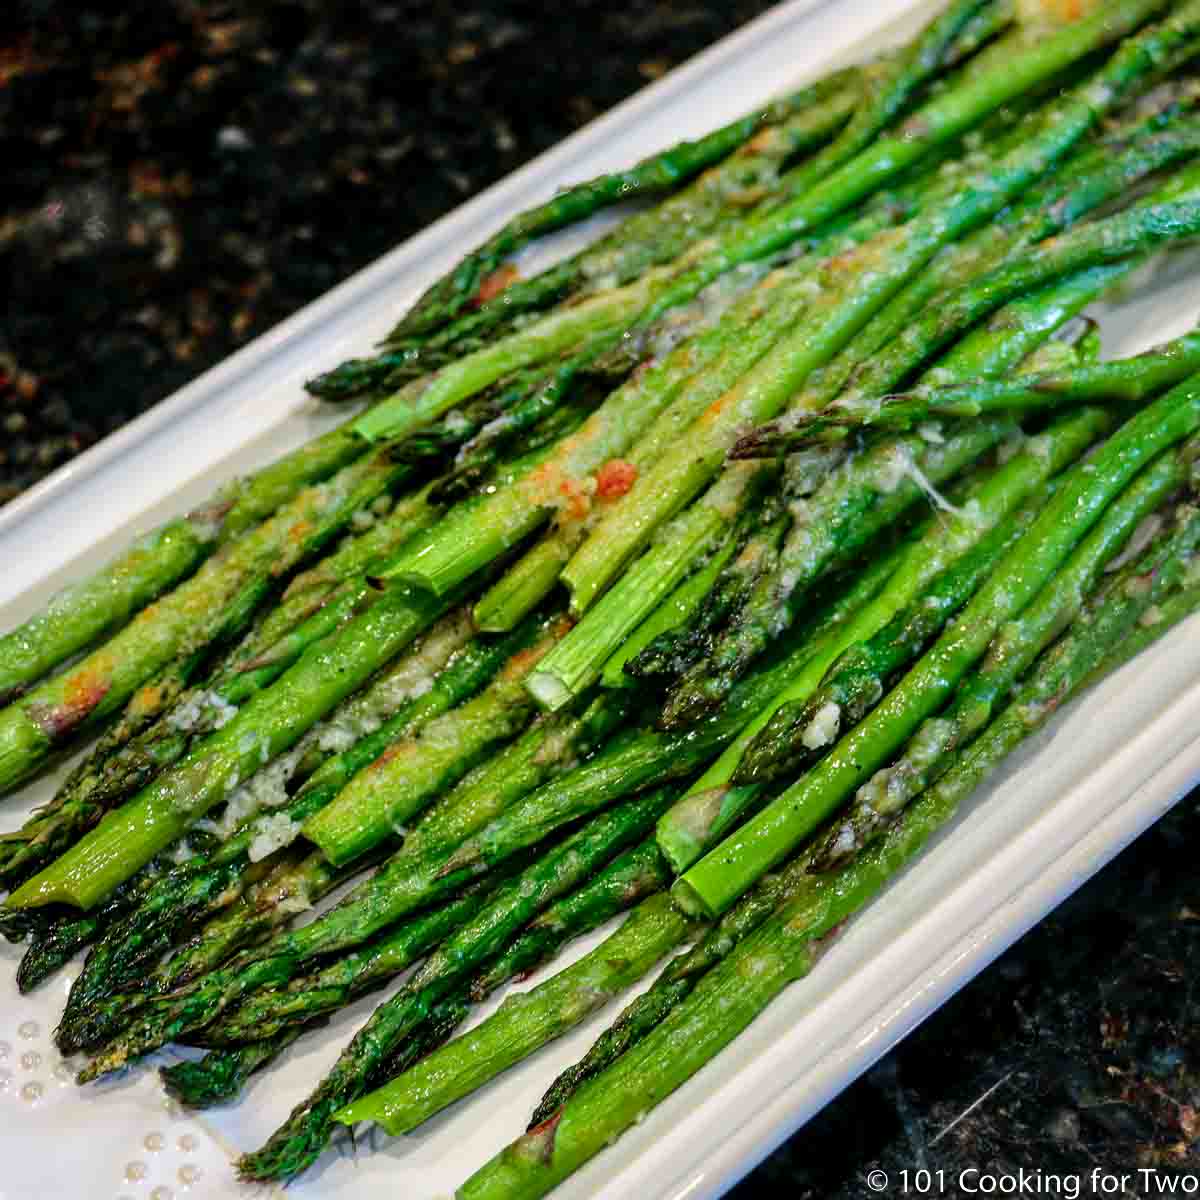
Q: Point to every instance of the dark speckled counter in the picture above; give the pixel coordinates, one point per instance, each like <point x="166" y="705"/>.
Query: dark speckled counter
<point x="179" y="176"/>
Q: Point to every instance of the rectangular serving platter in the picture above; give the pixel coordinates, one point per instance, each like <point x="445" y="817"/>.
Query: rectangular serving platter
<point x="1104" y="769"/>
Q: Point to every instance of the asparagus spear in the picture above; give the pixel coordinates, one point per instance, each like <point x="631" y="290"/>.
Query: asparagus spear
<point x="524" y="1023"/>
<point x="185" y="620"/>
<point x="681" y="975"/>
<point x="676" y="981"/>
<point x="222" y="1073"/>
<point x="918" y="62"/>
<point x="1090" y="178"/>
<point x="79" y="614"/>
<point x="639" y="420"/>
<point x="785" y="947"/>
<point x="56" y="941"/>
<point x="712" y="805"/>
<point x="801" y="731"/>
<point x="471" y="833"/>
<point x="122" y="764"/>
<point x="403" y="780"/>
<point x="629" y="878"/>
<point x="267" y="1022"/>
<point x="1015" y="646"/>
<point x="547" y="748"/>
<point x="1021" y="327"/>
<point x="1111" y="239"/>
<point x="590" y="327"/>
<point x="662" y="171"/>
<point x="867" y="494"/>
<point x="299" y="1142"/>
<point x="188" y="893"/>
<point x="267" y="725"/>
<point x="642" y="652"/>
<point x="292" y="886"/>
<point x="1127" y="380"/>
<point x="757" y="555"/>
<point x="1153" y="624"/>
<point x="890" y="83"/>
<point x="882" y="268"/>
<point x="716" y="198"/>
<point x="102" y="603"/>
<point x="942" y="121"/>
<point x="714" y="882"/>
<point x="455" y="550"/>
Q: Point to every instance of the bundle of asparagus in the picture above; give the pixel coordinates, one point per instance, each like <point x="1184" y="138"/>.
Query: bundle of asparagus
<point x="637" y="587"/>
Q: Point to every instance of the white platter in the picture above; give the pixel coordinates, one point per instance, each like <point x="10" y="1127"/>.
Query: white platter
<point x="1104" y="770"/>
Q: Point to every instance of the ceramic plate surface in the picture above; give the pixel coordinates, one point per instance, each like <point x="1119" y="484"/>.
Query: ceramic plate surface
<point x="1100" y="773"/>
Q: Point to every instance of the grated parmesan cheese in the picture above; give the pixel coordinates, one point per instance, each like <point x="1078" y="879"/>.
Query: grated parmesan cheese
<point x="272" y="833"/>
<point x="823" y="728"/>
<point x="202" y="712"/>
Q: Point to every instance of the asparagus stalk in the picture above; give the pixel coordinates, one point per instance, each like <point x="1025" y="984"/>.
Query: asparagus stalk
<point x="1134" y="232"/>
<point x="680" y="976"/>
<point x="403" y="780"/>
<point x="1092" y="177"/>
<point x="55" y="941"/>
<point x="757" y="554"/>
<point x="451" y="556"/>
<point x="281" y="1016"/>
<point x="547" y="748"/>
<point x="1014" y="648"/>
<point x="262" y="1027"/>
<point x="648" y="650"/>
<point x="292" y="886"/>
<point x="890" y="83"/>
<point x="916" y="64"/>
<point x="190" y="892"/>
<point x="943" y="120"/>
<point x="676" y="981"/>
<point x="660" y="172"/>
<point x="866" y="495"/>
<point x="184" y="621"/>
<point x="524" y="1023"/>
<point x="298" y="1143"/>
<point x="278" y="1015"/>
<point x="712" y="804"/>
<point x="79" y="614"/>
<point x="594" y="322"/>
<point x="786" y="946"/>
<point x="640" y="419"/>
<point x="627" y="880"/>
<point x="1021" y="327"/>
<point x="1152" y="625"/>
<point x="470" y="833"/>
<point x="799" y="733"/>
<point x="714" y="882"/>
<point x="1128" y="380"/>
<point x="122" y="764"/>
<point x="881" y="269"/>
<point x="221" y="1075"/>
<point x="102" y="603"/>
<point x="716" y="198"/>
<point x="269" y="724"/>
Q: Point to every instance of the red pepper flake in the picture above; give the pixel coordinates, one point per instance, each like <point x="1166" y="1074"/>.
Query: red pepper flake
<point x="615" y="478"/>
<point x="493" y="284"/>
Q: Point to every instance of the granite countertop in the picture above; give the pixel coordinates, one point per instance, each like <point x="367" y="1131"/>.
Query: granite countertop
<point x="180" y="176"/>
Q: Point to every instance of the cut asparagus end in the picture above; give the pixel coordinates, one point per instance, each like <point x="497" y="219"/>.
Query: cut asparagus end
<point x="551" y="692"/>
<point x="691" y="901"/>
